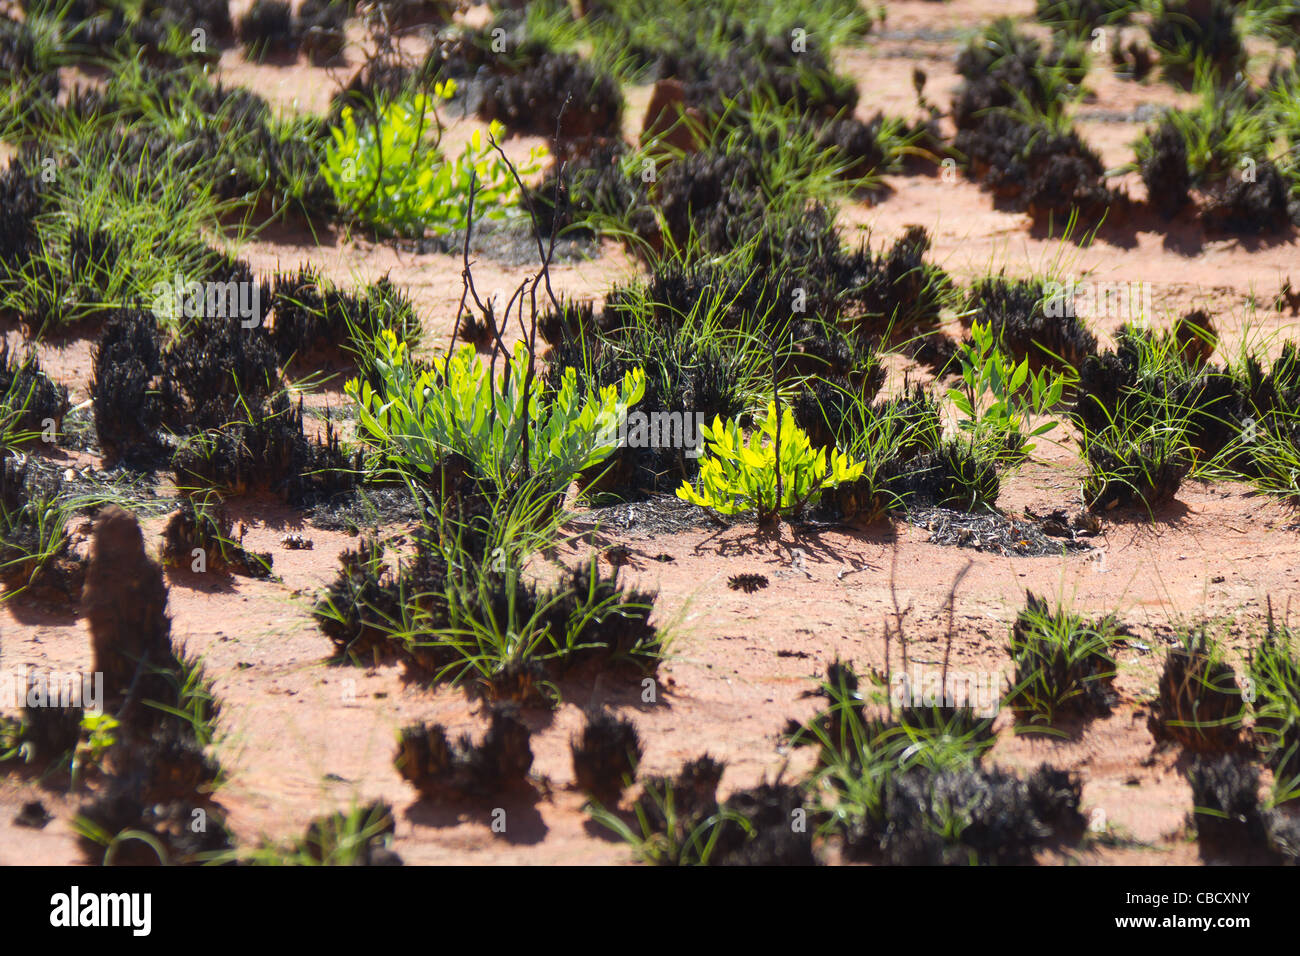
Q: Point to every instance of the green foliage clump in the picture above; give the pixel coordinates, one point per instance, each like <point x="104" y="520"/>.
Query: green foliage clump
<point x="997" y="396"/>
<point x="736" y="476"/>
<point x="393" y="176"/>
<point x="505" y="428"/>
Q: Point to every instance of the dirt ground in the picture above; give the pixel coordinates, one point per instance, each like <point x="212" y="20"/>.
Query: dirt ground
<point x="303" y="737"/>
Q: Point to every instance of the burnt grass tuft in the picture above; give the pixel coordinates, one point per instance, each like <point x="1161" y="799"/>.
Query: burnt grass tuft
<point x="1018" y="312"/>
<point x="441" y="770"/>
<point x="208" y="529"/>
<point x="1064" y="668"/>
<point x="1200" y="705"/>
<point x="31" y="397"/>
<point x="267" y="30"/>
<point x="214" y="395"/>
<point x="1230" y="824"/>
<point x="589" y="623"/>
<point x="320" y="26"/>
<point x="605" y="756"/>
<point x="34" y="556"/>
<point x="1003" y="819"/>
<point x="1164" y="172"/>
<point x="1184" y="30"/>
<point x="1045" y="171"/>
<point x="559" y="92"/>
<point x="357" y="838"/>
<point x="909" y="788"/>
<point x="688" y="825"/>
<point x="312" y="319"/>
<point x="1150" y="404"/>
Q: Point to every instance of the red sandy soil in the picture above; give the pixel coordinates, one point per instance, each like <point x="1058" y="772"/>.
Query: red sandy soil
<point x="303" y="737"/>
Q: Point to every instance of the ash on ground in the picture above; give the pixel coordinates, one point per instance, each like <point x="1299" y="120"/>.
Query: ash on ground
<point x="365" y="508"/>
<point x="1029" y="537"/>
<point x="656" y="515"/>
<point x="87" y="489"/>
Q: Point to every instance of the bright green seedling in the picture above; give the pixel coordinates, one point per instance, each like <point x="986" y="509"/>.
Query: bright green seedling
<point x="997" y="397"/>
<point x="736" y="476"/>
<point x="418" y="416"/>
<point x="393" y="175"/>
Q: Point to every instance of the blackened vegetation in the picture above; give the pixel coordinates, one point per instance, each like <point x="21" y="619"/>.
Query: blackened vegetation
<point x="143" y="123"/>
<point x="1002" y="819"/>
<point x="559" y="90"/>
<point x="320" y="25"/>
<point x="1199" y="704"/>
<point x="761" y="826"/>
<point x="1261" y="204"/>
<point x="1164" y="171"/>
<point x="23" y="71"/>
<point x="922" y="813"/>
<point x="683" y="381"/>
<point x="850" y="717"/>
<point x="715" y="197"/>
<point x="1017" y="311"/>
<point x="605" y="756"/>
<point x="313" y="320"/>
<point x="704" y="105"/>
<point x="1035" y="168"/>
<point x="366" y="599"/>
<point x="1185" y="30"/>
<point x="1132" y="60"/>
<point x="946" y="810"/>
<point x="1063" y="668"/>
<point x="922" y="467"/>
<point x="211" y="16"/>
<point x="128" y="390"/>
<point x="360" y="837"/>
<point x="209" y="529"/>
<point x="951" y="475"/>
<point x="896" y="294"/>
<point x="377" y="612"/>
<point x="1144" y="406"/>
<point x="1142" y="473"/>
<point x="1081" y="17"/>
<point x="593" y="183"/>
<point x="1231" y="826"/>
<point x="267" y="451"/>
<point x="46" y="733"/>
<point x="35" y="553"/>
<point x="164" y="33"/>
<point x="405" y="14"/>
<point x="1276" y="671"/>
<point x="31" y="398"/>
<point x="749" y="583"/>
<point x="757" y="61"/>
<point x="827" y="309"/>
<point x="266" y="30"/>
<point x="217" y="389"/>
<point x="441" y="770"/>
<point x="21" y="201"/>
<point x="160" y="776"/>
<point x="1246" y="195"/>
